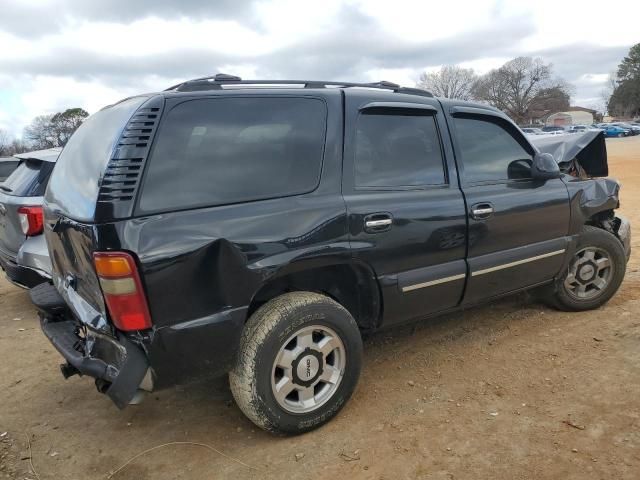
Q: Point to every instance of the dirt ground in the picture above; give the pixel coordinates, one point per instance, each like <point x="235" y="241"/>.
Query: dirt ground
<point x="512" y="390"/>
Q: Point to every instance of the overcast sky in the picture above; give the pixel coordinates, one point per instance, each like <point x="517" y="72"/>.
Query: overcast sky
<point x="56" y="54"/>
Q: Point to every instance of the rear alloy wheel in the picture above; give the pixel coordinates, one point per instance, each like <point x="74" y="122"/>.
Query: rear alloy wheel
<point x="308" y="369"/>
<point x="594" y="274"/>
<point x="620" y="135"/>
<point x="298" y="364"/>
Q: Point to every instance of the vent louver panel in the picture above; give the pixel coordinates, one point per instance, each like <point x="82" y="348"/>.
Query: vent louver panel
<point x="121" y="180"/>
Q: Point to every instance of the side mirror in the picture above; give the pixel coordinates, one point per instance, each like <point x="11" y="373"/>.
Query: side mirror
<point x="544" y="167"/>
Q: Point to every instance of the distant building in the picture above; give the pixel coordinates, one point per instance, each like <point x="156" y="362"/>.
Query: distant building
<point x="573" y="116"/>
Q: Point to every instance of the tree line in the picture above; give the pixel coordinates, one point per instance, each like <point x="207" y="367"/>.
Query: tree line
<point x="524" y="88"/>
<point x="45" y="131"/>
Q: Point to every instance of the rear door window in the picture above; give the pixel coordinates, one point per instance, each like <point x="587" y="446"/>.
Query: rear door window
<point x="394" y="150"/>
<point x="238" y="149"/>
<point x="29" y="179"/>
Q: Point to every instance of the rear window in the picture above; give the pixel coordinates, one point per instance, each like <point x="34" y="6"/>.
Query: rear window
<point x="29" y="179"/>
<point x="229" y="150"/>
<point x="6" y="168"/>
<point x="73" y="188"/>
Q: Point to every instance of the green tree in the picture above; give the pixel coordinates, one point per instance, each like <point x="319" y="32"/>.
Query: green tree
<point x="625" y="98"/>
<point x="63" y="124"/>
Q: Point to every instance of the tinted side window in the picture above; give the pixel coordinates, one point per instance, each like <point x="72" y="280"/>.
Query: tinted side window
<point x="228" y="150"/>
<point x="397" y="151"/>
<point x="489" y="152"/>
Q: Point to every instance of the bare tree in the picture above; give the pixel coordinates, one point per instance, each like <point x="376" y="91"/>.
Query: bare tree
<point x="18" y="146"/>
<point x="47" y="131"/>
<point x="517" y="87"/>
<point x="39" y="133"/>
<point x="5" y="143"/>
<point x="451" y="81"/>
<point x="607" y="91"/>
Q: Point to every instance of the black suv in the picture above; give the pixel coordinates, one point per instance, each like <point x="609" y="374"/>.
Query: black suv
<point x="259" y="228"/>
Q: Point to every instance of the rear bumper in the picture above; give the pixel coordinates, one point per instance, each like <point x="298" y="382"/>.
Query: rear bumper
<point x="24" y="277"/>
<point x="118" y="365"/>
<point x="34" y="254"/>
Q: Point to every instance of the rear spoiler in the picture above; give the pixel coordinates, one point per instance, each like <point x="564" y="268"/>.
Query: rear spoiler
<point x="48" y="155"/>
<point x="588" y="149"/>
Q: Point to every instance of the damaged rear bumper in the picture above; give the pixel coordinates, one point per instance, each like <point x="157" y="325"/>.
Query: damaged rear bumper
<point x="119" y="366"/>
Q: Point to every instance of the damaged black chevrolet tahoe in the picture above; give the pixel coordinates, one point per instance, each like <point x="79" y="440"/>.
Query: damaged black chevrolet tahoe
<point x="259" y="228"/>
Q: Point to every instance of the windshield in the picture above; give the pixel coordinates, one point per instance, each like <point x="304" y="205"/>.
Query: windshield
<point x="74" y="185"/>
<point x="29" y="179"/>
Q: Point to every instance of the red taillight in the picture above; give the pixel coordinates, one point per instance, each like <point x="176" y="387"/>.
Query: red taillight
<point x="31" y="220"/>
<point x="122" y="290"/>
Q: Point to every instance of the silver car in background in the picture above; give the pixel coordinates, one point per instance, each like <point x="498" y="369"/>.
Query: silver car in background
<point x="23" y="251"/>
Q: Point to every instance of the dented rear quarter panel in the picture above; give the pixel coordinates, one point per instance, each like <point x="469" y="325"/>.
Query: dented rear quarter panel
<point x="201" y="267"/>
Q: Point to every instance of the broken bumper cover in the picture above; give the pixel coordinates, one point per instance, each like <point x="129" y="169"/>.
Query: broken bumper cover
<point x="118" y="365"/>
<point x="624" y="234"/>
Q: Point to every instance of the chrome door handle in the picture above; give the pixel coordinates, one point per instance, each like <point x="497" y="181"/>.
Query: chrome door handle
<point x="378" y="223"/>
<point x="481" y="211"/>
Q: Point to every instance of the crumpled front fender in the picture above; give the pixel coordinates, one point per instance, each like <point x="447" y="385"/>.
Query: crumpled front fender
<point x="589" y="198"/>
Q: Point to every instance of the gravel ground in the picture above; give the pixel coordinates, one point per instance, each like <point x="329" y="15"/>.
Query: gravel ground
<point x="512" y="390"/>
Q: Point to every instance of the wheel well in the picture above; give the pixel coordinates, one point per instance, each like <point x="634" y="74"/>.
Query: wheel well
<point x="351" y="286"/>
<point x="605" y="220"/>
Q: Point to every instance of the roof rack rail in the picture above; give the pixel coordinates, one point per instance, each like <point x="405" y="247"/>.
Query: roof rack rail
<point x="216" y="82"/>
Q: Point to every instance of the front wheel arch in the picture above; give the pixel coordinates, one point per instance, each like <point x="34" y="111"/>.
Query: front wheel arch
<point x="596" y="238"/>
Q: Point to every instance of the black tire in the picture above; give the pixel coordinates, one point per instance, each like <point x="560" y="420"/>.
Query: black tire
<point x="268" y="332"/>
<point x="592" y="238"/>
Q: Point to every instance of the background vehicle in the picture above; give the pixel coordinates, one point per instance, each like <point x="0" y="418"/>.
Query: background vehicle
<point x="7" y="166"/>
<point x="633" y="129"/>
<point x="554" y="129"/>
<point x="259" y="231"/>
<point x="532" y="131"/>
<point x="23" y="249"/>
<point x="614" y="131"/>
<point x="581" y="128"/>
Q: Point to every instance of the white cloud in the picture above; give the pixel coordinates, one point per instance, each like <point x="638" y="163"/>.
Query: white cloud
<point x="86" y="55"/>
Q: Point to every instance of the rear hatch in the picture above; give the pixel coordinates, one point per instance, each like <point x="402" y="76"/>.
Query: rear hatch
<point x="71" y="225"/>
<point x="24" y="187"/>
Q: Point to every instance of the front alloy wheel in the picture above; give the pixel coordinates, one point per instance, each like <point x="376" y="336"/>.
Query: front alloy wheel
<point x="594" y="274"/>
<point x="589" y="273"/>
